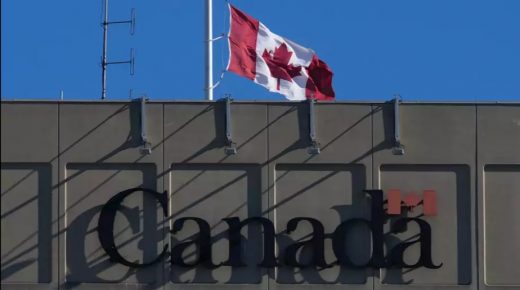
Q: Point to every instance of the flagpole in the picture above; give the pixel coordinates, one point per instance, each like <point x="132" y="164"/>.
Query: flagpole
<point x="209" y="51"/>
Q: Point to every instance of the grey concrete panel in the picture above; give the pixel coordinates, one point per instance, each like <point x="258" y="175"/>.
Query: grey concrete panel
<point x="330" y="194"/>
<point x="27" y="217"/>
<point x="344" y="134"/>
<point x="343" y="131"/>
<point x="214" y="192"/>
<point x="497" y="168"/>
<point x="29" y="154"/>
<point x="196" y="133"/>
<point x="440" y="155"/>
<point x="201" y="156"/>
<point x="29" y="132"/>
<point x="108" y="132"/>
<point x="498" y="134"/>
<point x="450" y="227"/>
<point x="431" y="134"/>
<point x="137" y="228"/>
<point x="501" y="230"/>
<point x="99" y="157"/>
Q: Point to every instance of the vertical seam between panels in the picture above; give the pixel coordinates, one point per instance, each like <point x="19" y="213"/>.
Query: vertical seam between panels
<point x="165" y="218"/>
<point x="58" y="236"/>
<point x="372" y="173"/>
<point x="268" y="163"/>
<point x="476" y="216"/>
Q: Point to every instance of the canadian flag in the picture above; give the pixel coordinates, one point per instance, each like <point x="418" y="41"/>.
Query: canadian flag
<point x="275" y="62"/>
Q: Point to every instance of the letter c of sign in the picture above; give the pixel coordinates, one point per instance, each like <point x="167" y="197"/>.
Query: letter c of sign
<point x="105" y="227"/>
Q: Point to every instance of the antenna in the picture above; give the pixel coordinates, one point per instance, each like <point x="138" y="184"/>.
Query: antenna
<point x="104" y="62"/>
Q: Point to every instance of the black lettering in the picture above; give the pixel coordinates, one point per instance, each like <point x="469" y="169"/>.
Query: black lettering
<point x="105" y="227"/>
<point x="203" y="243"/>
<point x="235" y="241"/>
<point x="316" y="242"/>
<point x="396" y="256"/>
<point x="339" y="239"/>
<point x="377" y="212"/>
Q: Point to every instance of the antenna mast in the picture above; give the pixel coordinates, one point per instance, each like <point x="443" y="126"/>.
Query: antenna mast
<point x="104" y="62"/>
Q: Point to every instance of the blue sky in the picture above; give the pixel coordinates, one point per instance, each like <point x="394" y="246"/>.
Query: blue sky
<point x="420" y="49"/>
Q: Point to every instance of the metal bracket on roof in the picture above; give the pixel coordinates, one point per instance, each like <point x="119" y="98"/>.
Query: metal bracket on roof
<point x="146" y="147"/>
<point x="398" y="148"/>
<point x="314" y="149"/>
<point x="231" y="148"/>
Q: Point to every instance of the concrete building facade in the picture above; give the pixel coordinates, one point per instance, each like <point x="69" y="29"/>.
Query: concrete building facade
<point x="456" y="190"/>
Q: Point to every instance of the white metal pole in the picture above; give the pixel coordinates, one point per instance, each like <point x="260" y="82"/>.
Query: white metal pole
<point x="209" y="50"/>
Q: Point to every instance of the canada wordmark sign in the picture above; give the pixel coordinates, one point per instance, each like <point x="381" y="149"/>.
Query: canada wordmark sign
<point x="316" y="240"/>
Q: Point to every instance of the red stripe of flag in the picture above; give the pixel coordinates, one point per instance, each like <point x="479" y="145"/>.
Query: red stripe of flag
<point x="242" y="43"/>
<point x="319" y="84"/>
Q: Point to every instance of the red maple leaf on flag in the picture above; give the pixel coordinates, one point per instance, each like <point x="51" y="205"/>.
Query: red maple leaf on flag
<point x="278" y="63"/>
